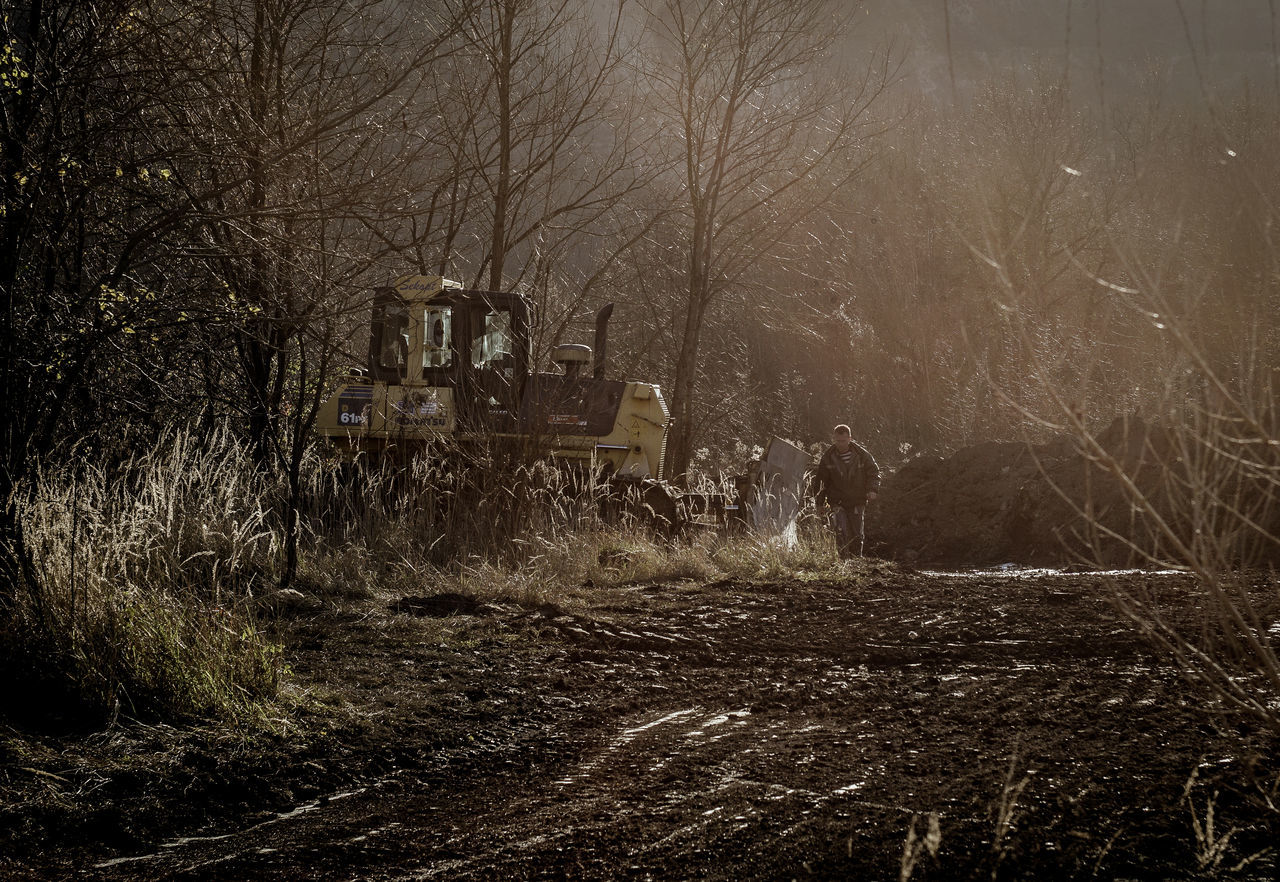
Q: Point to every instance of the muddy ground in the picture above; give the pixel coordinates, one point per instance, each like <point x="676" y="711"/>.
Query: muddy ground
<point x="773" y="730"/>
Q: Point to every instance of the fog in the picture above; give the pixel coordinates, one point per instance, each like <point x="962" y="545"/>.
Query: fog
<point x="1106" y="49"/>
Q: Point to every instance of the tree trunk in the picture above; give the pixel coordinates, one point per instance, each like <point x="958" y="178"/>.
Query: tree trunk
<point x="680" y="448"/>
<point x="502" y="190"/>
<point x="258" y="335"/>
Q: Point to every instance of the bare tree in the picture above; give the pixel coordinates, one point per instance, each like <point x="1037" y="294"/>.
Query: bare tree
<point x="748" y="100"/>
<point x="541" y="146"/>
<point x="299" y="128"/>
<point x="208" y="177"/>
<point x="288" y="132"/>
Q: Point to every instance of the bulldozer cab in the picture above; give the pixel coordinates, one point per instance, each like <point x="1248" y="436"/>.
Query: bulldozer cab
<point x="427" y="331"/>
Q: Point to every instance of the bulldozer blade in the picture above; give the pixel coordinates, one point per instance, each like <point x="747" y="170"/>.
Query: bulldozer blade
<point x="779" y="485"/>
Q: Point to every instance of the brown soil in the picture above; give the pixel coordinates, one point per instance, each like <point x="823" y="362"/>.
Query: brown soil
<point x="789" y="729"/>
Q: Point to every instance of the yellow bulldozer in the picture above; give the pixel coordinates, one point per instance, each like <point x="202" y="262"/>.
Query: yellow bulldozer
<point x="450" y="365"/>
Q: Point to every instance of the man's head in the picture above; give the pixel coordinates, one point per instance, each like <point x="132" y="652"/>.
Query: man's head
<point x="841" y="436"/>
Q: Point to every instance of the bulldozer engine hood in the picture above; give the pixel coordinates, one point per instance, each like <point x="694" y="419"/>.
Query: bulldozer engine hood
<point x="559" y="405"/>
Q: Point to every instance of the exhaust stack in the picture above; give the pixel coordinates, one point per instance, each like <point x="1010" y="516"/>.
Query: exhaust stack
<point x="602" y="335"/>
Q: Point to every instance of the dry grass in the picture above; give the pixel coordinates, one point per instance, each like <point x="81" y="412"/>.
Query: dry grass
<point x="576" y="568"/>
<point x="144" y="582"/>
<point x="150" y="579"/>
<point x="516" y="531"/>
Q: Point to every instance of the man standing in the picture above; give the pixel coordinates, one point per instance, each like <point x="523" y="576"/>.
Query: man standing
<point x="847" y="478"/>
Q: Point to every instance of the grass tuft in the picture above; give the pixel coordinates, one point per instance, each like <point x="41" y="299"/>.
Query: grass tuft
<point x="144" y="585"/>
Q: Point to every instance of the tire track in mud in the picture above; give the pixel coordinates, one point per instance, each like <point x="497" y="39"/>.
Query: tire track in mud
<point x="787" y="730"/>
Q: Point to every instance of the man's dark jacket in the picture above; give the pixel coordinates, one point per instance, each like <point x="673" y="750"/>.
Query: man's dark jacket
<point x="846" y="485"/>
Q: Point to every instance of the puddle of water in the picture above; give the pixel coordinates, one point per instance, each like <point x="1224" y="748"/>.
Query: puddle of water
<point x="721" y="719"/>
<point x="182" y="842"/>
<point x="730" y="720"/>
<point x="628" y="734"/>
<point x="737" y="717"/>
<point x="191" y="840"/>
<point x="1020" y="572"/>
<point x="623" y="738"/>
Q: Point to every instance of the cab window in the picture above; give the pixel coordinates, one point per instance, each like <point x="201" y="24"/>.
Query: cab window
<point x="393" y="348"/>
<point x="437" y="343"/>
<point x="493" y="343"/>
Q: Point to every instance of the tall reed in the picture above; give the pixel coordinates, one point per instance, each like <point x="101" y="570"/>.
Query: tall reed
<point x="144" y="579"/>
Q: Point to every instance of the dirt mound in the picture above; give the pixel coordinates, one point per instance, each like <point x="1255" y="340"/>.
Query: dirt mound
<point x="963" y="509"/>
<point x="1000" y="502"/>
